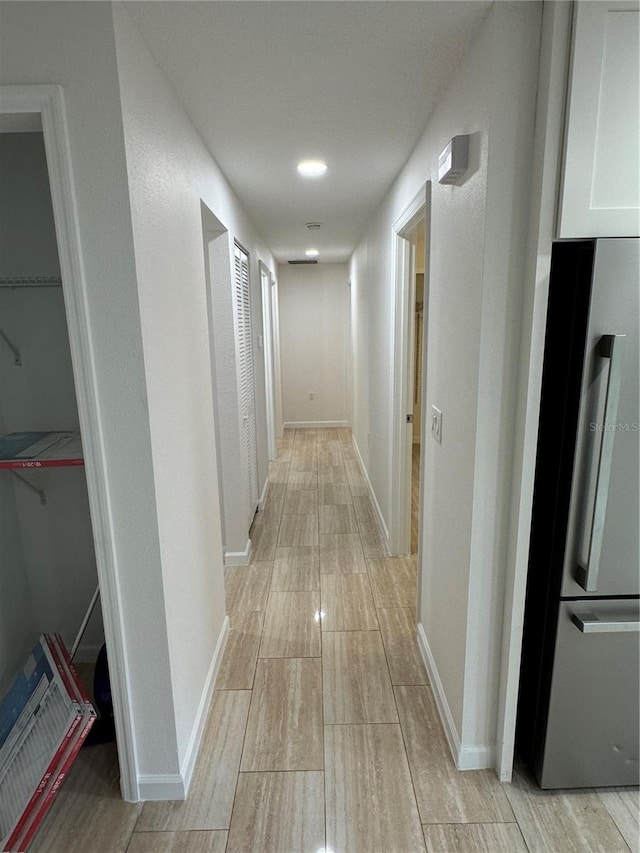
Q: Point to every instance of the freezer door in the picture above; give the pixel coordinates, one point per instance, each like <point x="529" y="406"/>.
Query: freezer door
<point x="602" y="556"/>
<point x="593" y="721"/>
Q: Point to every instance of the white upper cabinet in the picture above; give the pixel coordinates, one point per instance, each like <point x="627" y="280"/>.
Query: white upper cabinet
<point x="600" y="195"/>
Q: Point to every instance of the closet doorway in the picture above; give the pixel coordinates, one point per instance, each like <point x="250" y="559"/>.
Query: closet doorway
<point x="56" y="525"/>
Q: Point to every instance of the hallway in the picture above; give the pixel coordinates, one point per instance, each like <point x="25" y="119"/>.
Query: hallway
<point x="323" y="735"/>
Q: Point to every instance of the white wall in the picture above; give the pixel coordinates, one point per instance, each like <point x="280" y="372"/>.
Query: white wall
<point x="476" y="278"/>
<point x="314" y="325"/>
<point x="56" y="539"/>
<point x="170" y="172"/>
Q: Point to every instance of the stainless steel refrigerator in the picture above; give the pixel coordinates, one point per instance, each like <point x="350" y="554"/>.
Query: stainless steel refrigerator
<point x="578" y="718"/>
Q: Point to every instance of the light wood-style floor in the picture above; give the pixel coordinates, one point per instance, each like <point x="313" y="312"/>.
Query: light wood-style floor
<point x="323" y="735"/>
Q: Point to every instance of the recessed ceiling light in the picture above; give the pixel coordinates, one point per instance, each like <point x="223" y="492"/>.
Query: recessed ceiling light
<point x="312" y="253"/>
<point x="312" y="168"/>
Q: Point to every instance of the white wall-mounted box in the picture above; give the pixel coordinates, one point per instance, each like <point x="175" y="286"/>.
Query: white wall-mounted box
<point x="453" y="161"/>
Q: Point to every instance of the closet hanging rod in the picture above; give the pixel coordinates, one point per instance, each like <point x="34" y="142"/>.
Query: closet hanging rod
<point x="14" y="349"/>
<point x="30" y="281"/>
<point x="24" y="481"/>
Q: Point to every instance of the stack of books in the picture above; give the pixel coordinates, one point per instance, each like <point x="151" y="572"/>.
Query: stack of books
<point x="44" y="719"/>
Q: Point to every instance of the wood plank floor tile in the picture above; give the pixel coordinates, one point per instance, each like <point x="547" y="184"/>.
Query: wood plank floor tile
<point x="239" y="661"/>
<point x="341" y="553"/>
<point x="623" y="804"/>
<point x="302" y="480"/>
<point x="247" y="587"/>
<point x="338" y="518"/>
<point x="355" y="679"/>
<point x="296" y="569"/>
<point x="212" y="789"/>
<point x="369" y="797"/>
<point x="299" y="529"/>
<point x="475" y="838"/>
<point x="333" y="474"/>
<point x="291" y="626"/>
<point x="284" y="730"/>
<point x="264" y="538"/>
<point x="334" y="493"/>
<point x="346" y="603"/>
<point x="178" y="842"/>
<point x="304" y="459"/>
<point x="445" y="794"/>
<point x="394" y="582"/>
<point x="278" y="813"/>
<point x="88" y="812"/>
<point x="359" y="490"/>
<point x="329" y="455"/>
<point x="278" y="471"/>
<point x="398" y="628"/>
<point x="300" y="501"/>
<point x="568" y="821"/>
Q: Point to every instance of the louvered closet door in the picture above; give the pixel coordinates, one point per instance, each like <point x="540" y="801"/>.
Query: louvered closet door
<point x="245" y="378"/>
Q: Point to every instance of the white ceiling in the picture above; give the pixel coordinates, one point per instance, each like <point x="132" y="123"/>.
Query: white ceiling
<point x="269" y="83"/>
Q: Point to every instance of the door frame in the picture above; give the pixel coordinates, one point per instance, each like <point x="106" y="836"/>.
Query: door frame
<point x="267" y="284"/>
<point x="402" y="355"/>
<point x="48" y="102"/>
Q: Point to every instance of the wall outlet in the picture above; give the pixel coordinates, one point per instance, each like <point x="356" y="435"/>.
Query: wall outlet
<point x="436" y="424"/>
<point x="312" y="395"/>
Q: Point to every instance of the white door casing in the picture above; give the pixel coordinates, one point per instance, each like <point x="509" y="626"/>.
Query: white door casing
<point x="267" y="286"/>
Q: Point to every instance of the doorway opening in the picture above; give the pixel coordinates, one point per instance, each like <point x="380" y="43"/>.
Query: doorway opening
<point x="57" y="530"/>
<point x="411" y="283"/>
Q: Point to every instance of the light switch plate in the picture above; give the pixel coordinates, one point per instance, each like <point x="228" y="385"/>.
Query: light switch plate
<point x="436" y="424"/>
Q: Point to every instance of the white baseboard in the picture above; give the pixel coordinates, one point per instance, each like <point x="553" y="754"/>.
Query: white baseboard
<point x="263" y="497"/>
<point x="313" y="424"/>
<point x="238" y="558"/>
<point x="203" y="708"/>
<point x="161" y="787"/>
<point x="477" y="758"/>
<point x="175" y="786"/>
<point x="465" y="757"/>
<point x="446" y="717"/>
<point x="374" y="499"/>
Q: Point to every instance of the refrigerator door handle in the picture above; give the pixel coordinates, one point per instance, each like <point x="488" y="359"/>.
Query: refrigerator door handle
<point x="590" y="623"/>
<point x="611" y="347"/>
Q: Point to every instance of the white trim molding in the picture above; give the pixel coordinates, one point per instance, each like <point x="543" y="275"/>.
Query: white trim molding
<point x="238" y="558"/>
<point x="372" y="494"/>
<point x="476" y="757"/>
<point x="175" y="786"/>
<point x="48" y="101"/>
<point x="153" y="788"/>
<point x="313" y="424"/>
<point x="263" y="496"/>
<point x="186" y="771"/>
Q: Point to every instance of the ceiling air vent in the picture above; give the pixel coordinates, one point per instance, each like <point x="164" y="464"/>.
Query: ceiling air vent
<point x="305" y="261"/>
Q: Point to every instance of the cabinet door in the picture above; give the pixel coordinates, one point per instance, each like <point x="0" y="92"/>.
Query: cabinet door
<point x="244" y="344"/>
<point x="600" y="194"/>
